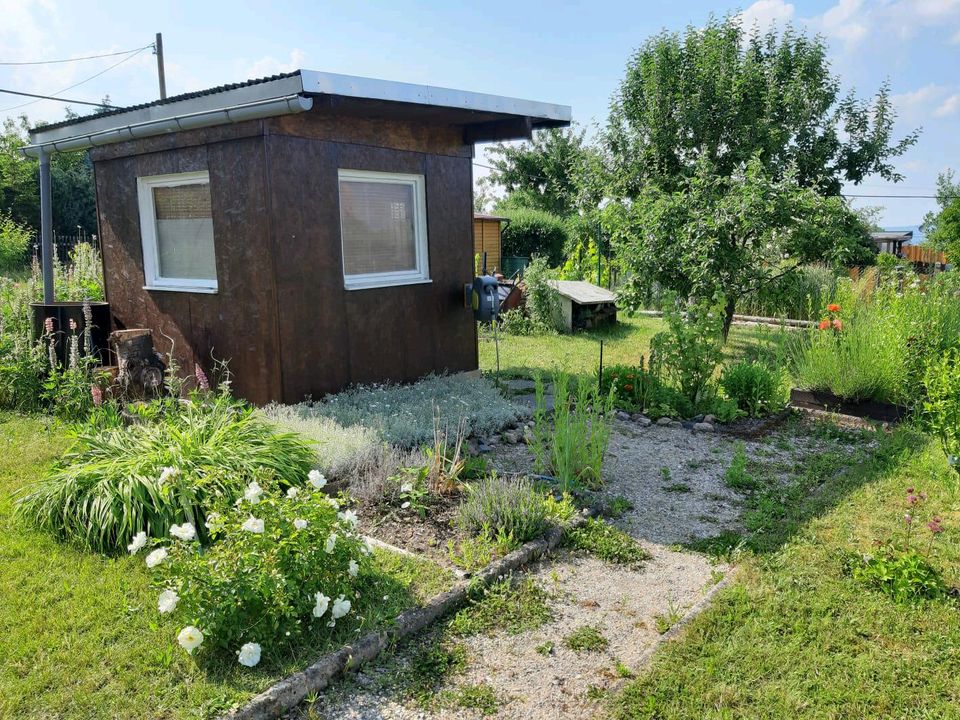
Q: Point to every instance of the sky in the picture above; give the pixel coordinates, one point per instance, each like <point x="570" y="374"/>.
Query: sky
<point x="573" y="53"/>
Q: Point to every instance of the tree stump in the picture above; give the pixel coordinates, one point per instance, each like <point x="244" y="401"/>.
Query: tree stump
<point x="140" y="366"/>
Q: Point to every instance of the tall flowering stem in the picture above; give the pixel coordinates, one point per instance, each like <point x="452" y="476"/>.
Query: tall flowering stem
<point x="87" y="328"/>
<point x="51" y="343"/>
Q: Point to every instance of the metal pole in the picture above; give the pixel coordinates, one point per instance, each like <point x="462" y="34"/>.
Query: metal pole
<point x="158" y="51"/>
<point x="46" y="226"/>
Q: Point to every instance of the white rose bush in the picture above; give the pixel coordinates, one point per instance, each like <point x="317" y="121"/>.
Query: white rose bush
<point x="269" y="573"/>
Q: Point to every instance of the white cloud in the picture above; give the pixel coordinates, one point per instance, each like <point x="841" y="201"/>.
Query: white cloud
<point x="845" y="21"/>
<point x="948" y="106"/>
<point x="765" y="14"/>
<point x="269" y="65"/>
<point x="955" y="40"/>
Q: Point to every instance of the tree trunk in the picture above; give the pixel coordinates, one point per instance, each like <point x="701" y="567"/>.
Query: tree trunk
<point x="728" y="311"/>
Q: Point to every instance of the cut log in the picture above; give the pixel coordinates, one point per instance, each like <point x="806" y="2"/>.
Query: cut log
<point x="140" y="366"/>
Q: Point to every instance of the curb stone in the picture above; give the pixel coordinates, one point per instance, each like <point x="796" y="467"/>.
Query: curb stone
<point x="286" y="694"/>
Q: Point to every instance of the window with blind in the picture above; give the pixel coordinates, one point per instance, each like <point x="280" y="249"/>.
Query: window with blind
<point x="176" y="226"/>
<point x="383" y="228"/>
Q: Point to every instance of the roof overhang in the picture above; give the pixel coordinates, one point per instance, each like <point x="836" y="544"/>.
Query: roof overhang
<point x="484" y="117"/>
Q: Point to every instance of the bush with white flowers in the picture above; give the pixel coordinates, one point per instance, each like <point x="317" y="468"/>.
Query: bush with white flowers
<point x="281" y="563"/>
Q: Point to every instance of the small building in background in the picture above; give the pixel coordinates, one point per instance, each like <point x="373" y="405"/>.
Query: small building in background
<point x="585" y="306"/>
<point x="899" y="243"/>
<point x="891" y="242"/>
<point x="486" y="242"/>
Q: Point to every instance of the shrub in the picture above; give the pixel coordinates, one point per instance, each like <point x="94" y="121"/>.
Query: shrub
<point x="404" y="414"/>
<point x="534" y="232"/>
<point x="180" y="460"/>
<point x="570" y="442"/>
<point x="14" y="243"/>
<point x="509" y="505"/>
<point x="690" y="350"/>
<point x="756" y="388"/>
<point x="542" y="299"/>
<point x="22" y="367"/>
<point x="281" y="563"/>
<point x="941" y="408"/>
<point x="798" y="295"/>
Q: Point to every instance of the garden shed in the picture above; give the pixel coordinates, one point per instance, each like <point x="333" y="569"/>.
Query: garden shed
<point x="314" y="230"/>
<point x="486" y="241"/>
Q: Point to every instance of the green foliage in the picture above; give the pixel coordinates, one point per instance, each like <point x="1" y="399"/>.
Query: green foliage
<point x="542" y="299"/>
<point x="690" y="350"/>
<point x="947" y="193"/>
<point x="904" y="574"/>
<point x="259" y="582"/>
<point x="736" y="475"/>
<point x="941" y="406"/>
<point x="512" y="506"/>
<point x="551" y="172"/>
<point x="946" y="236"/>
<point x="513" y="607"/>
<point x="756" y="388"/>
<point x="571" y="441"/>
<point x="404" y="414"/>
<point x="798" y="295"/>
<point x="14" y="243"/>
<point x="480" y="697"/>
<point x="534" y="232"/>
<point x="586" y="638"/>
<point x="607" y="543"/>
<point x="475" y="552"/>
<point x="111" y="483"/>
<point x="730" y="94"/>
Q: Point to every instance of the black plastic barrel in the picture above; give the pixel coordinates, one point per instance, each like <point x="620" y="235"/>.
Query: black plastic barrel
<point x="62" y="313"/>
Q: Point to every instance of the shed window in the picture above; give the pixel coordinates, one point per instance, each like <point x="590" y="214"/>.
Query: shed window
<point x="383" y="227"/>
<point x="176" y="227"/>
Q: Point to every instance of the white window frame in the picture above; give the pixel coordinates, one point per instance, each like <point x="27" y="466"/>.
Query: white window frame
<point x="148" y="234"/>
<point x="419" y="275"/>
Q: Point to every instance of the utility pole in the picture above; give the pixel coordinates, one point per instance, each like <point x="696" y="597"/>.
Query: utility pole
<point x="158" y="51"/>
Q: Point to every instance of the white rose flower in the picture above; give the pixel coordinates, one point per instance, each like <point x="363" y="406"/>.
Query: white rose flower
<point x="168" y="601"/>
<point x="156" y="557"/>
<point x="340" y="608"/>
<point x="252" y="524"/>
<point x="190" y="638"/>
<point x="166" y="474"/>
<point x="300" y="523"/>
<point x="139" y="542"/>
<point x="249" y="654"/>
<point x="316" y="478"/>
<point x="292" y="492"/>
<point x="323" y="602"/>
<point x="406" y="487"/>
<point x="253" y="492"/>
<point x="212" y="520"/>
<point x="331" y="542"/>
<point x="333" y="503"/>
<point x="183" y="532"/>
<point x="349" y="517"/>
<point x="353" y="569"/>
<point x="366" y="549"/>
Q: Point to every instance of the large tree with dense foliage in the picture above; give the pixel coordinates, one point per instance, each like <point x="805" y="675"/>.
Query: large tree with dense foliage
<point x="71" y="178"/>
<point x="942" y="226"/>
<point x="730" y="95"/>
<point x="730" y="235"/>
<point x="552" y="172"/>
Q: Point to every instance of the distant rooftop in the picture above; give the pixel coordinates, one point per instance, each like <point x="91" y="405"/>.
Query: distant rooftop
<point x="902" y="235"/>
<point x="486" y="117"/>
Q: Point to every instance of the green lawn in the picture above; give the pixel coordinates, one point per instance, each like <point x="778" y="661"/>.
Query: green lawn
<point x="794" y="636"/>
<point x="80" y="636"/>
<point x="579" y="353"/>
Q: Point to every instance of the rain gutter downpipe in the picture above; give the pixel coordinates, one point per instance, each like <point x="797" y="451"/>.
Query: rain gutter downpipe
<point x="46" y="227"/>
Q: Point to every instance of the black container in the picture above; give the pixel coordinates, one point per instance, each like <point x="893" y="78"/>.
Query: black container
<point x="826" y="401"/>
<point x="62" y="313"/>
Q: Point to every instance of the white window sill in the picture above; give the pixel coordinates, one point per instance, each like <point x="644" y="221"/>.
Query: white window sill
<point x="372" y="284"/>
<point x="183" y="289"/>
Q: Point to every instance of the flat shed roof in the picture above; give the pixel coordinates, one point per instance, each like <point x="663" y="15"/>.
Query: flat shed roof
<point x="583" y="293"/>
<point x="485" y="117"/>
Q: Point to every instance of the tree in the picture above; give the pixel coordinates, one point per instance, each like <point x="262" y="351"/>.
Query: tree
<point x="730" y="235"/>
<point x="730" y="96"/>
<point x="552" y="172"/>
<point x="942" y="227"/>
<point x="71" y="179"/>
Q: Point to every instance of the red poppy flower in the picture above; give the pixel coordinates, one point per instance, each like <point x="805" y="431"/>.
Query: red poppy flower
<point x="833" y="307"/>
<point x="824" y="324"/>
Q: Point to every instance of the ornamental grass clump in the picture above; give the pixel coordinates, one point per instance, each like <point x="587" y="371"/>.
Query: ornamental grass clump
<point x="511" y="506"/>
<point x="172" y="466"/>
<point x="284" y="563"/>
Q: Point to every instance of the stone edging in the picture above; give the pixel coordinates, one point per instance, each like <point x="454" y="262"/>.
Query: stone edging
<point x="289" y="692"/>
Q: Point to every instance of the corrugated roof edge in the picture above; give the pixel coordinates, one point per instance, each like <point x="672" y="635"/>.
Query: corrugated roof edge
<point x="166" y="101"/>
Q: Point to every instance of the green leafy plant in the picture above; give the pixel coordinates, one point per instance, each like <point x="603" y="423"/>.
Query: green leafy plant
<point x="281" y="563"/>
<point x="534" y="232"/>
<point x="690" y="350"/>
<point x="503" y="504"/>
<point x="607" y="543"/>
<point x="941" y="408"/>
<point x="573" y="445"/>
<point x="542" y="299"/>
<point x="586" y="638"/>
<point x="756" y="388"/>
<point x="736" y="475"/>
<point x="14" y="243"/>
<point x="513" y="607"/>
<point x="116" y="481"/>
<point x="475" y="552"/>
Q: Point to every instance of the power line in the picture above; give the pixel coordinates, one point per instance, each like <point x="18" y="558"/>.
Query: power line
<point x="133" y="53"/>
<point x="50" y="97"/>
<point x="905" y="197"/>
<point x="79" y="59"/>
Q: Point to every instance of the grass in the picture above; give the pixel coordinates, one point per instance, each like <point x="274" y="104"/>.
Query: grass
<point x="80" y="636"/>
<point x="586" y="638"/>
<point x="512" y="607"/>
<point x="796" y="636"/>
<point x="579" y="354"/>
<point x="607" y="543"/>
